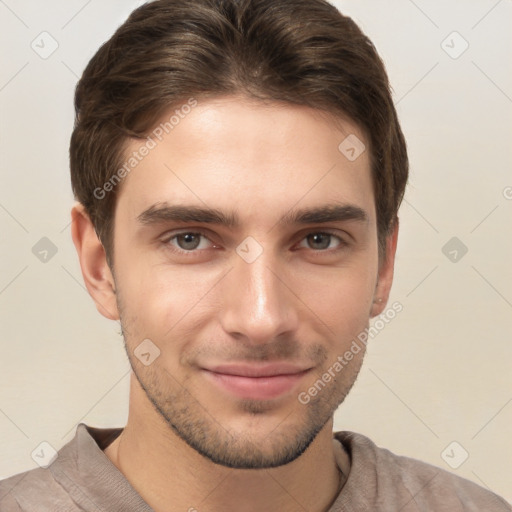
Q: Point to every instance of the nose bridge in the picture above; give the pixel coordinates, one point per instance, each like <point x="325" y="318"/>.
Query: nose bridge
<point x="257" y="303"/>
<point x="261" y="286"/>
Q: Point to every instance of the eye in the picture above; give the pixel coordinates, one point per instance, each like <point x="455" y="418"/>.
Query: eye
<point x="187" y="241"/>
<point x="192" y="242"/>
<point x="321" y="241"/>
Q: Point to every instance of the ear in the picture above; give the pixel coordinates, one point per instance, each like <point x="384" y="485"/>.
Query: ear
<point x="385" y="277"/>
<point x="93" y="261"/>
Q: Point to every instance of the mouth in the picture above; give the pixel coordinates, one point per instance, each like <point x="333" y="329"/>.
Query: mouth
<point x="256" y="382"/>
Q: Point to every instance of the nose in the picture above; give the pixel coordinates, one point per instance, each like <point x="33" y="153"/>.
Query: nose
<point x="258" y="304"/>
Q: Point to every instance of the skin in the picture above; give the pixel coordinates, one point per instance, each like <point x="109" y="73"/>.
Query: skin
<point x="303" y="300"/>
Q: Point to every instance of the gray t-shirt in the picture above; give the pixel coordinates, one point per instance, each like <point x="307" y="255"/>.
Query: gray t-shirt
<point x="82" y="478"/>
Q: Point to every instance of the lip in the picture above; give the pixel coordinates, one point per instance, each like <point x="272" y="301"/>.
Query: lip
<point x="257" y="370"/>
<point x="256" y="382"/>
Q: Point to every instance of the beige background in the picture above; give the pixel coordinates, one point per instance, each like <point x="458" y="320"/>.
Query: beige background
<point x="439" y="372"/>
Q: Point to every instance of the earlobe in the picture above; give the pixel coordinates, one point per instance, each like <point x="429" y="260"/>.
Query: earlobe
<point x="385" y="277"/>
<point x="95" y="271"/>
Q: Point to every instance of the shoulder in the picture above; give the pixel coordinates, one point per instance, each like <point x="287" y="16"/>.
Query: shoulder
<point x="46" y="488"/>
<point x="8" y="502"/>
<point x="396" y="479"/>
<point x="36" y="489"/>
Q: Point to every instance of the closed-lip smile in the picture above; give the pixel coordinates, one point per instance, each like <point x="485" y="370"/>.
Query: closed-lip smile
<point x="256" y="381"/>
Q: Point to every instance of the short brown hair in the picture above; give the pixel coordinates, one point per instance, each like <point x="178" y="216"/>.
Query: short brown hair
<point x="303" y="52"/>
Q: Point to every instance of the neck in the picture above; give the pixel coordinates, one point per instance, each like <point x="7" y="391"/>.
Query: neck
<point x="170" y="476"/>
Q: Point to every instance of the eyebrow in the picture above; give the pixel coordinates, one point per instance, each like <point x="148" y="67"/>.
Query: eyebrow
<point x="164" y="212"/>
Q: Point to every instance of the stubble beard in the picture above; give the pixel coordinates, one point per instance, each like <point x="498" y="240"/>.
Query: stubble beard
<point x="284" y="440"/>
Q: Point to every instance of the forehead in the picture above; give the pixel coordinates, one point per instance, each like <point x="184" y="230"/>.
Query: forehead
<point x="249" y="156"/>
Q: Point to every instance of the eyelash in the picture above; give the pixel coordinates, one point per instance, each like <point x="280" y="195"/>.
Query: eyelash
<point x="166" y="242"/>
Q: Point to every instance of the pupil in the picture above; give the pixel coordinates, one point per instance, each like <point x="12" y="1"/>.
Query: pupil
<point x="317" y="238"/>
<point x="189" y="240"/>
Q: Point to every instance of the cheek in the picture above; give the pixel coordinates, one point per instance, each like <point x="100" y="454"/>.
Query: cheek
<point x="340" y="297"/>
<point x="164" y="298"/>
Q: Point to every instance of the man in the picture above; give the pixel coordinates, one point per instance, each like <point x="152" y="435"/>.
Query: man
<point x="238" y="167"/>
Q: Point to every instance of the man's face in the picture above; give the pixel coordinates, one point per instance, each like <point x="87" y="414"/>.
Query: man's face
<point x="240" y="299"/>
